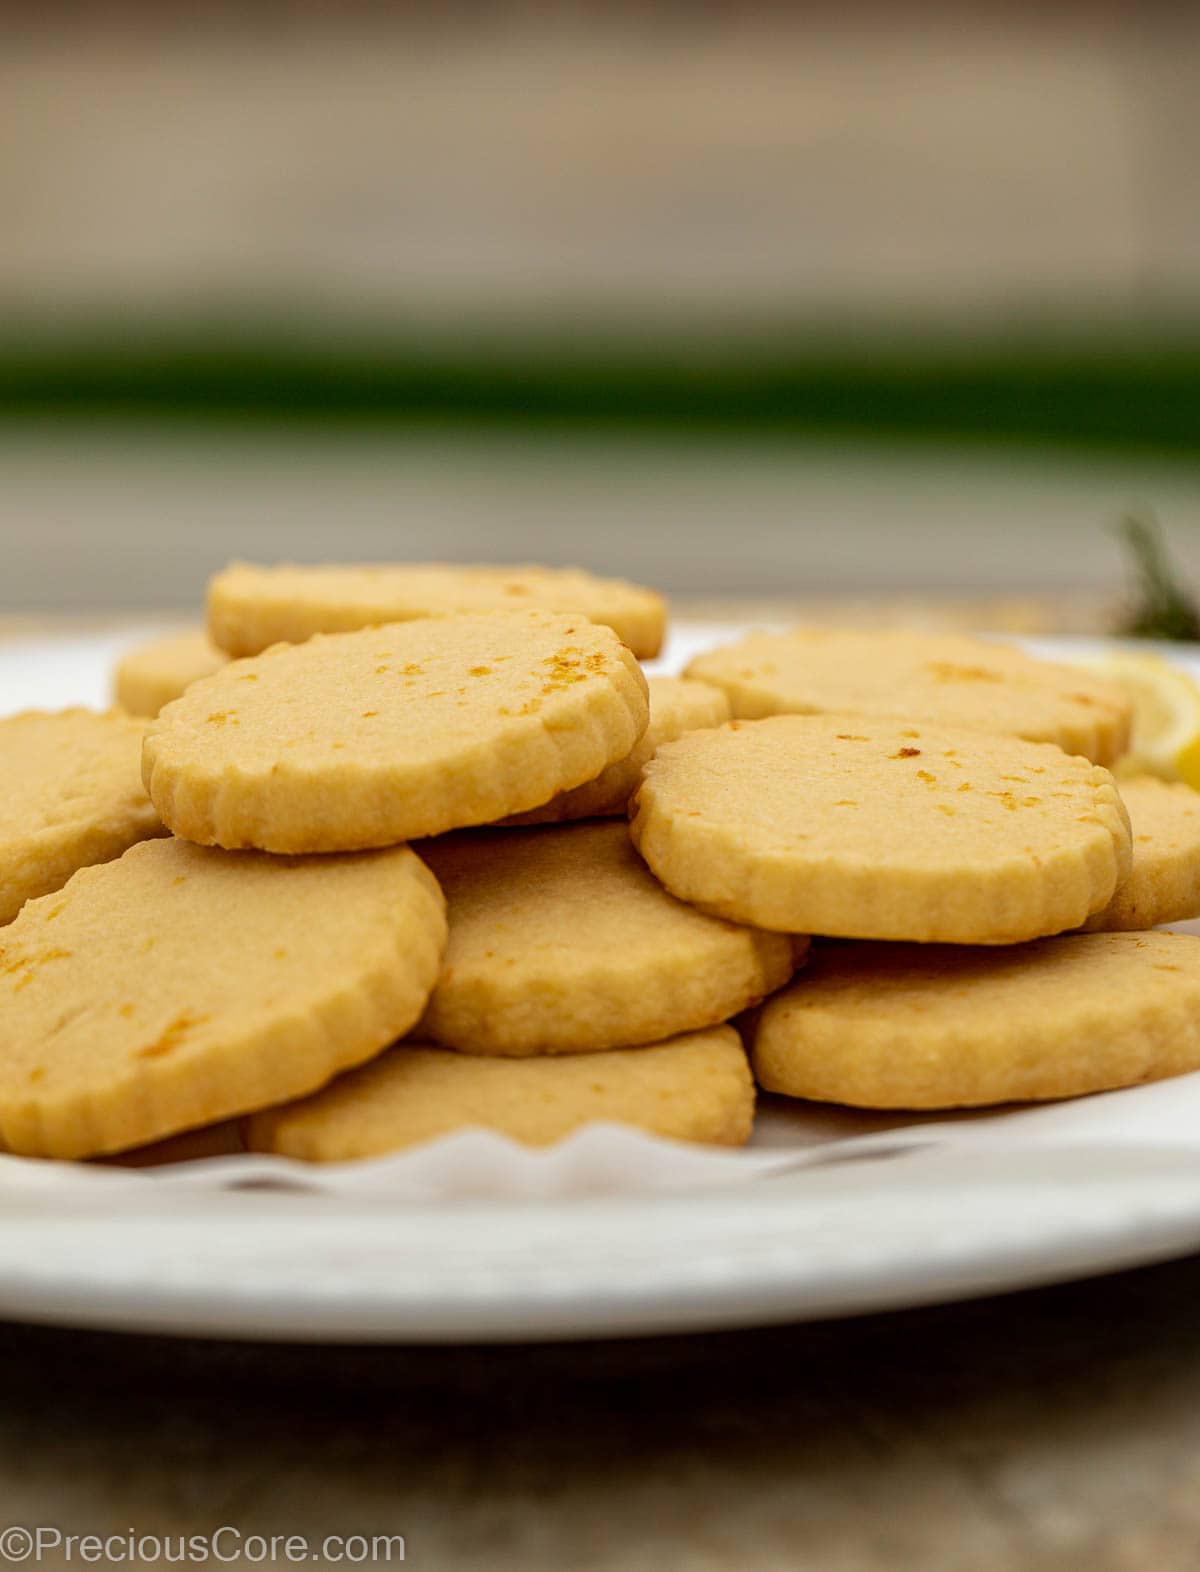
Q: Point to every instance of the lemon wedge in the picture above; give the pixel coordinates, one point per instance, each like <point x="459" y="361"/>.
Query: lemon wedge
<point x="1166" y="716"/>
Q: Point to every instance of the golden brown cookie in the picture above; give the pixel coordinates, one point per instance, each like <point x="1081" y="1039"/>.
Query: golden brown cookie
<point x="251" y="607"/>
<point x="178" y="986"/>
<point x="880" y="830"/>
<point x="676" y="706"/>
<point x="370" y="738"/>
<point x="154" y="673"/>
<point x="942" y="679"/>
<point x="72" y="796"/>
<point x="1163" y="883"/>
<point x="562" y="942"/>
<point x="693" y="1088"/>
<point x="908" y="1026"/>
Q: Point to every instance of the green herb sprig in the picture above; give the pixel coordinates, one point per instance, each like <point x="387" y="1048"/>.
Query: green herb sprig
<point x="1162" y="608"/>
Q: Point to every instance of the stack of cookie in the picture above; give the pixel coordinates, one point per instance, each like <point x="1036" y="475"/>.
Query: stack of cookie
<point x="944" y="802"/>
<point x="249" y="933"/>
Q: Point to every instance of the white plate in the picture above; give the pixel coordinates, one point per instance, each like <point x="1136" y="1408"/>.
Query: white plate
<point x="879" y="1228"/>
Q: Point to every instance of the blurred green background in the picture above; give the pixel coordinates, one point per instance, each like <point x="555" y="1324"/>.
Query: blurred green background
<point x="736" y="300"/>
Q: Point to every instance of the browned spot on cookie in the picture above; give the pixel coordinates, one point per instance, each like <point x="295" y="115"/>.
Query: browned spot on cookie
<point x="222" y="718"/>
<point x="368" y="714"/>
<point x="565" y="669"/>
<point x="248" y="676"/>
<point x="36" y="1074"/>
<point x="479" y="671"/>
<point x="950" y="671"/>
<point x="924" y="775"/>
<point x="849" y="736"/>
<point x="907" y="753"/>
<point x="172" y="1037"/>
<point x="27" y="966"/>
<point x="56" y="911"/>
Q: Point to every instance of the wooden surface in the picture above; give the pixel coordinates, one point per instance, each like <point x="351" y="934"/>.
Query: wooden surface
<point x="1044" y="1432"/>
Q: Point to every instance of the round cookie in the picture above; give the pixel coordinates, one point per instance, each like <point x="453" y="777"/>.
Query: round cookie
<point x="910" y="1026"/>
<point x="944" y="679"/>
<point x="1163" y="883"/>
<point x="178" y="986"/>
<point x="562" y="942"/>
<point x="154" y="673"/>
<point x="366" y="739"/>
<point x="252" y="607"/>
<point x="694" y="1088"/>
<point x="676" y="706"/>
<point x="72" y="796"/>
<point x="879" y="830"/>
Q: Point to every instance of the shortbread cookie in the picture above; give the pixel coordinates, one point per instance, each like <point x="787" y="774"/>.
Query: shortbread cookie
<point x="178" y="986"/>
<point x="909" y="1026"/>
<point x="369" y="738"/>
<point x="880" y="830"/>
<point x="944" y="679"/>
<point x="562" y="942"/>
<point x="72" y="796"/>
<point x="251" y="607"/>
<point x="153" y="674"/>
<point x="693" y="1088"/>
<point x="676" y="706"/>
<point x="1163" y="883"/>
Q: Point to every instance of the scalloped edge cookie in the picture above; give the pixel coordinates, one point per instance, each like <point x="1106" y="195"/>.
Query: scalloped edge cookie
<point x="251" y="607"/>
<point x="81" y="771"/>
<point x="875" y="830"/>
<point x="561" y="941"/>
<point x="905" y="1026"/>
<point x="358" y="740"/>
<point x="1163" y="882"/>
<point x="696" y="1087"/>
<point x="154" y="673"/>
<point x="158" y="993"/>
<point x="937" y="679"/>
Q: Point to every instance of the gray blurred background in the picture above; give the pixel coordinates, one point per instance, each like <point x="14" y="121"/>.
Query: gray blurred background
<point x="737" y="301"/>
